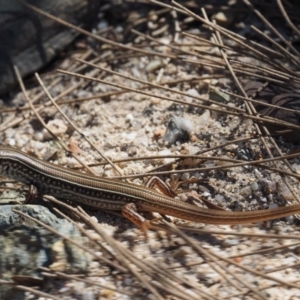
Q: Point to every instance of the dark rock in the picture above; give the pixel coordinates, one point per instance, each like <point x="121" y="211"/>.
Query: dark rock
<point x="26" y="246"/>
<point x="30" y="41"/>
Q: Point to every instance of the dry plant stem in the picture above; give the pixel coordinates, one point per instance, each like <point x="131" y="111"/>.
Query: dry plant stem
<point x="94" y="36"/>
<point x="286" y="17"/>
<point x="220" y="269"/>
<point x="224" y="47"/>
<point x="281" y="268"/>
<point x="242" y="295"/>
<point x="28" y="289"/>
<point x="178" y="158"/>
<point x="91" y="282"/>
<point x="218" y="66"/>
<point x="143" y="265"/>
<point x="251" y="73"/>
<point x="175" y="156"/>
<point x="234" y="165"/>
<point x="266" y="287"/>
<point x="116" y="93"/>
<point x="247" y="269"/>
<point x="208" y="42"/>
<point x="271" y="27"/>
<point x="65" y="92"/>
<point x="103" y="259"/>
<point x="26" y="107"/>
<point x="142" y="20"/>
<point x="76" y="67"/>
<point x="155" y="86"/>
<point x="246" y="293"/>
<point x="107" y="253"/>
<point x="271" y="250"/>
<point x="241" y="71"/>
<point x="79" y="67"/>
<point x="259" y="102"/>
<point x="149" y="269"/>
<point x="45" y="125"/>
<point x="212" y="259"/>
<point x="146" y="268"/>
<point x="275" y="72"/>
<point x="166" y="279"/>
<point x="241" y="115"/>
<point x="15" y="121"/>
<point x="218" y="39"/>
<point x="120" y="254"/>
<point x="280" y="48"/>
<point x="251" y="110"/>
<point x="199" y="54"/>
<point x="237" y="38"/>
<point x="250" y="235"/>
<point x="26" y="116"/>
<point x="161" y="87"/>
<point x="56" y="99"/>
<point x="151" y="95"/>
<point x="120" y="258"/>
<point x="76" y="128"/>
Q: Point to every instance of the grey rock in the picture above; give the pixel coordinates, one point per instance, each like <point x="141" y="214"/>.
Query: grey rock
<point x="25" y="246"/>
<point x="30" y="41"/>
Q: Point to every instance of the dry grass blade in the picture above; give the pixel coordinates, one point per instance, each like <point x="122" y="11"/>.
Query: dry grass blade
<point x="198" y="249"/>
<point x="155" y="272"/>
<point x="242" y="115"/>
<point x="277" y="33"/>
<point x="28" y="289"/>
<point x="89" y="34"/>
<point x="128" y="259"/>
<point x="46" y="127"/>
<point x="50" y="273"/>
<point x="157" y="86"/>
<point x="250" y="235"/>
<point x="77" y="129"/>
<point x="286" y="17"/>
<point x="201" y="251"/>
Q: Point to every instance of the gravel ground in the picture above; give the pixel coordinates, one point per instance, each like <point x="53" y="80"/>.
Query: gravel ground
<point x="130" y="124"/>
